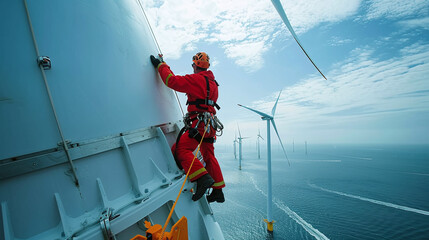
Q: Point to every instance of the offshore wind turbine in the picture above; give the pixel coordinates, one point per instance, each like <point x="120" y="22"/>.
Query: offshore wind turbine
<point x="259" y="146"/>
<point x="235" y="146"/>
<point x="277" y="4"/>
<point x="240" y="155"/>
<point x="269" y="119"/>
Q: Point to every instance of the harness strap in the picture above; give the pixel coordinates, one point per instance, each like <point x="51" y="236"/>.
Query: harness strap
<point x="179" y="165"/>
<point x="194" y="133"/>
<point x="205" y="101"/>
<point x="199" y="101"/>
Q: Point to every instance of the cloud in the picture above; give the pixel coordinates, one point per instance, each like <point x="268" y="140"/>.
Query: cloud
<point x="363" y="82"/>
<point x="416" y="23"/>
<point x="305" y="15"/>
<point x="178" y="26"/>
<point x="338" y="41"/>
<point x="245" y="31"/>
<point x="248" y="53"/>
<point x="362" y="92"/>
<point x="394" y="9"/>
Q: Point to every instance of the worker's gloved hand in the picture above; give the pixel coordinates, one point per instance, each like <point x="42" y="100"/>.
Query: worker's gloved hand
<point x="155" y="61"/>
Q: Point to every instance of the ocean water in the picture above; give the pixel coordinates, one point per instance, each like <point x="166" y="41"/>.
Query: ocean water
<point x="332" y="192"/>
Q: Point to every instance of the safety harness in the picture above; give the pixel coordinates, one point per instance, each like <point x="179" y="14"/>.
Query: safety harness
<point x="188" y="126"/>
<point x="204" y="117"/>
<point x="205" y="101"/>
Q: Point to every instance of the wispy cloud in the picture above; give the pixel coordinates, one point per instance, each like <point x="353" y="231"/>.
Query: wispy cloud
<point x="338" y="41"/>
<point x="245" y="31"/>
<point x="416" y="23"/>
<point x="394" y="9"/>
<point x="305" y="15"/>
<point x="361" y="89"/>
<point x="365" y="86"/>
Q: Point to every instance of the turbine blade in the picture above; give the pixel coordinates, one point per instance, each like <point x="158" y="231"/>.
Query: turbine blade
<point x="282" y="14"/>
<point x="275" y="128"/>
<point x="239" y="133"/>
<point x="256" y="111"/>
<point x="273" y="111"/>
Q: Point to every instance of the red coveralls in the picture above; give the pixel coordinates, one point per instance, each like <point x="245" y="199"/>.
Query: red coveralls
<point x="195" y="87"/>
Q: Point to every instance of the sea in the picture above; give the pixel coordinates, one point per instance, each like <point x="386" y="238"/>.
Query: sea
<point x="327" y="192"/>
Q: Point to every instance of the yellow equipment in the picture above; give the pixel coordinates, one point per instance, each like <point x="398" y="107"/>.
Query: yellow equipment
<point x="179" y="231"/>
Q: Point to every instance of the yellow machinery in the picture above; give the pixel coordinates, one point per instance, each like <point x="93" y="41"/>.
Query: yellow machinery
<point x="179" y="231"/>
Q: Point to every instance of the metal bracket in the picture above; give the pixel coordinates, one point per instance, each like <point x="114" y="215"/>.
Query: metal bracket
<point x="44" y="61"/>
<point x="105" y="219"/>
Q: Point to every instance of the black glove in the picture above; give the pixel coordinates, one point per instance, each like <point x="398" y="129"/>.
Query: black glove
<point x="155" y="61"/>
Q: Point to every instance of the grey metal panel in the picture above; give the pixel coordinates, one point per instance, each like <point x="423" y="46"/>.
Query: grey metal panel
<point x="101" y="79"/>
<point x="10" y="168"/>
<point x="26" y="120"/>
<point x="110" y="105"/>
<point x="106" y="182"/>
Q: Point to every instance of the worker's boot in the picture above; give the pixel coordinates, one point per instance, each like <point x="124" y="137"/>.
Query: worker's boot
<point x="216" y="195"/>
<point x="203" y="183"/>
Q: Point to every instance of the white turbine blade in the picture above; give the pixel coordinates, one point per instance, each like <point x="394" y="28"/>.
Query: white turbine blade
<point x="282" y="14"/>
<point x="256" y="111"/>
<point x="275" y="128"/>
<point x="273" y="111"/>
<point x="239" y="133"/>
<point x="259" y="134"/>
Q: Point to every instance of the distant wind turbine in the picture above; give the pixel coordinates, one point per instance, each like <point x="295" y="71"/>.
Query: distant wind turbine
<point x="282" y="14"/>
<point x="240" y="148"/>
<point x="269" y="119"/>
<point x="259" y="146"/>
<point x="235" y="147"/>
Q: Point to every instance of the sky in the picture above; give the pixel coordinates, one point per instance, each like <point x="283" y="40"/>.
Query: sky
<point x="374" y="53"/>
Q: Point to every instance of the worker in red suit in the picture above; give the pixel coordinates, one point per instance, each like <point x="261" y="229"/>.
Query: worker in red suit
<point x="201" y="89"/>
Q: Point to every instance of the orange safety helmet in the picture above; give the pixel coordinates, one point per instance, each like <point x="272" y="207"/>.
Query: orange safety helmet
<point x="202" y="60"/>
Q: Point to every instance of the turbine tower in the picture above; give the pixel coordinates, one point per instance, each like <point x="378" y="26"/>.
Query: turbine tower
<point x="240" y="155"/>
<point x="235" y="146"/>
<point x="269" y="119"/>
<point x="259" y="146"/>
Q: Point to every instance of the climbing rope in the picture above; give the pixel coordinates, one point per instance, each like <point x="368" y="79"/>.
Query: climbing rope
<point x="160" y="52"/>
<point x="184" y="181"/>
